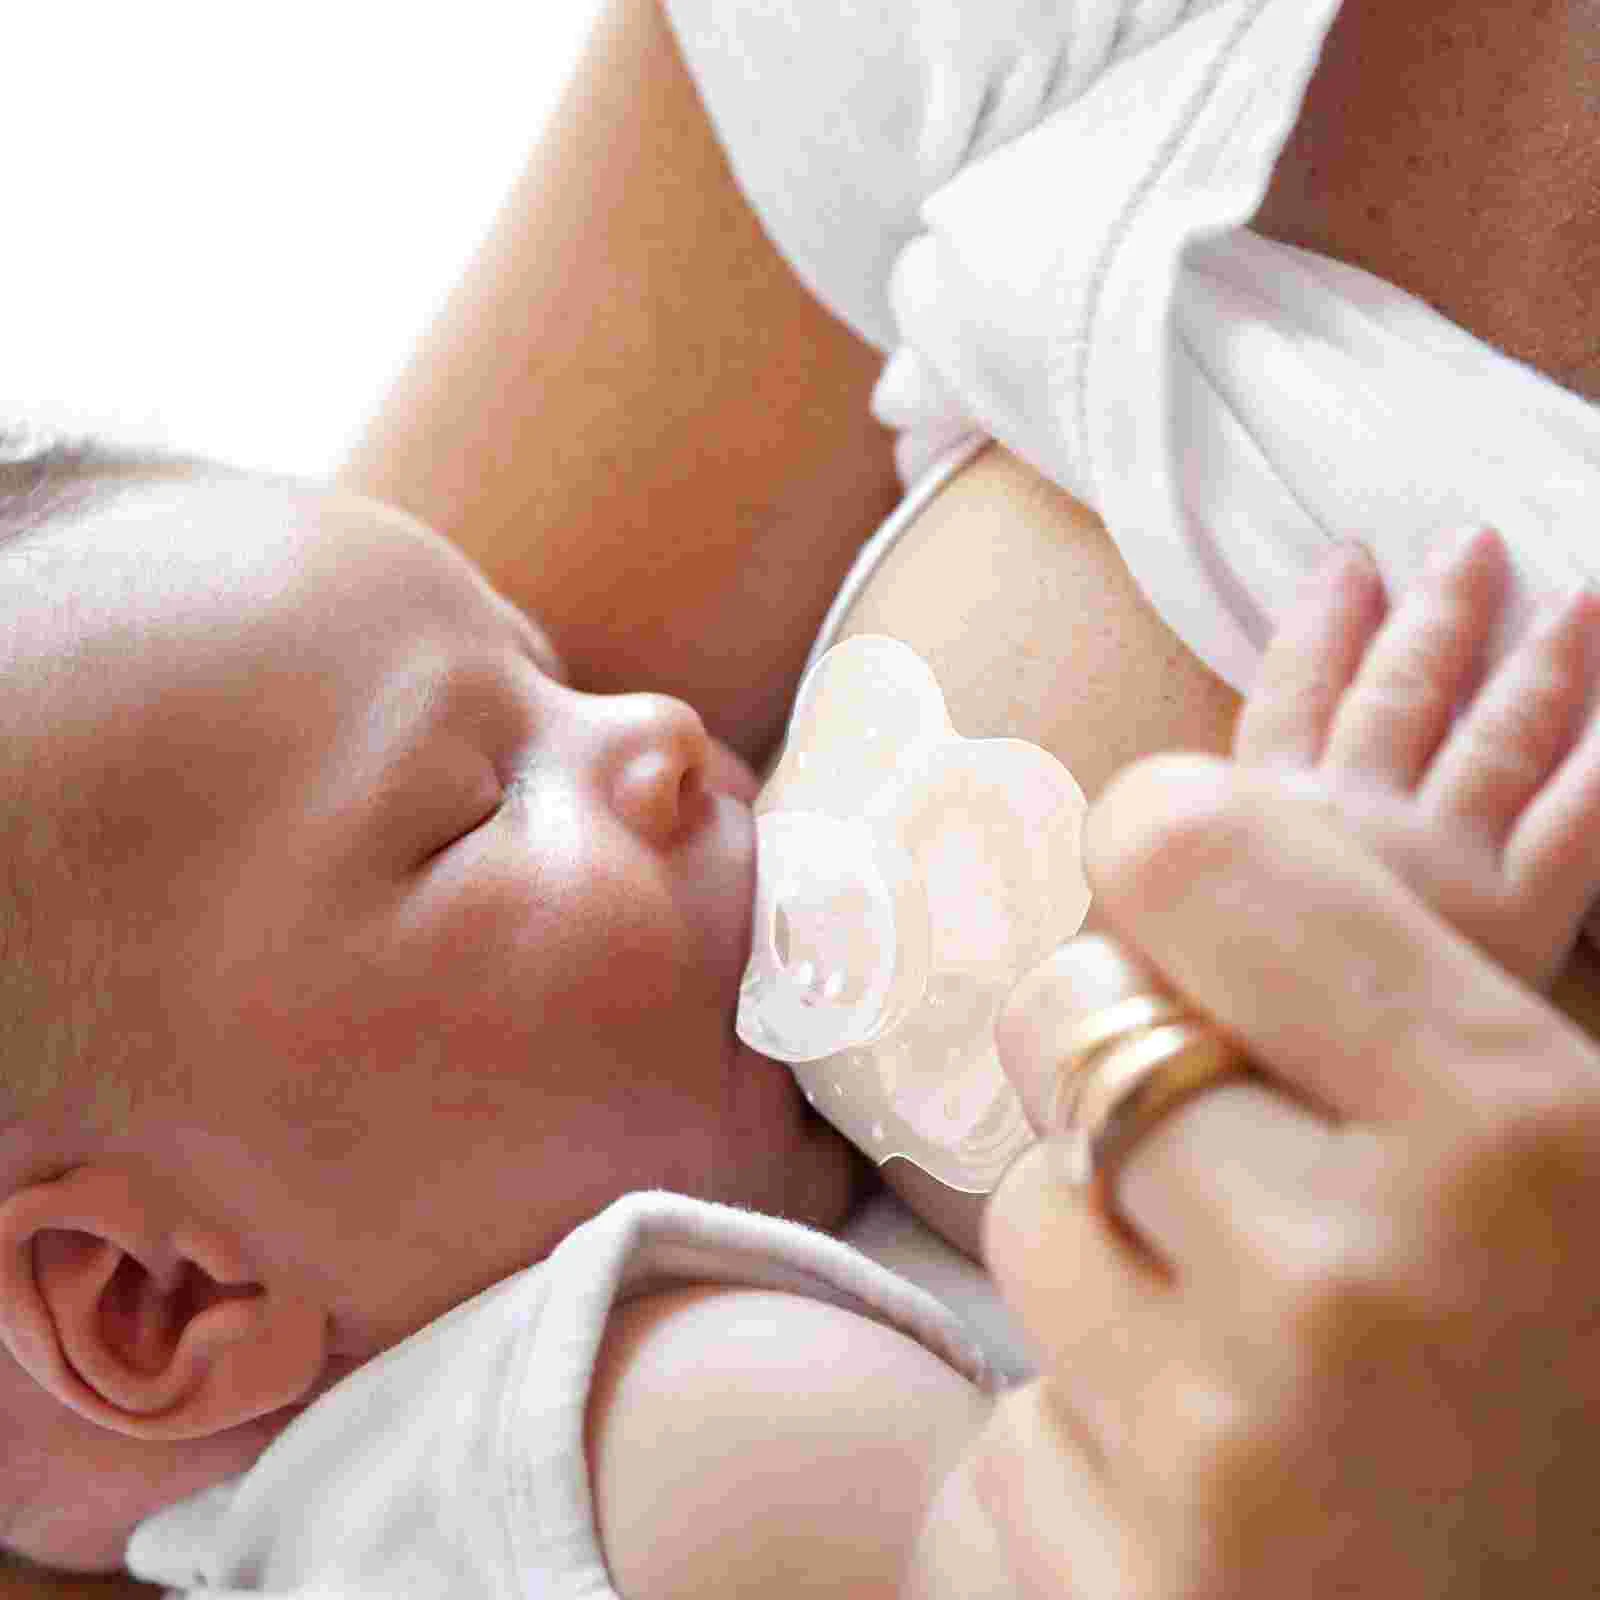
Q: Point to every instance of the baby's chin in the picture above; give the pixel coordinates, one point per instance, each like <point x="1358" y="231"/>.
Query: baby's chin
<point x="715" y="886"/>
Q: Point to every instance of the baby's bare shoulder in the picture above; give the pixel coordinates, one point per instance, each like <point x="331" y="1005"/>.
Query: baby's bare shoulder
<point x="745" y="1441"/>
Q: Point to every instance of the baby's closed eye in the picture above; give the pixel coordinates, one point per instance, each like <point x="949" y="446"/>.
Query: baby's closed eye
<point x="436" y="798"/>
<point x="460" y="819"/>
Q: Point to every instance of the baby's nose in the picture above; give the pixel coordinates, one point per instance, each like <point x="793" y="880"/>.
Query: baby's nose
<point x="655" y="754"/>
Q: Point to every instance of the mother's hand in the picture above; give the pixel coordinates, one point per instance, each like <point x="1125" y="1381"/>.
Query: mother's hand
<point x="1349" y="1340"/>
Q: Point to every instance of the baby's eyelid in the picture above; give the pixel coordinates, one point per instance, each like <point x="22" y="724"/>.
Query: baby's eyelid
<point x="459" y="836"/>
<point x="484" y="811"/>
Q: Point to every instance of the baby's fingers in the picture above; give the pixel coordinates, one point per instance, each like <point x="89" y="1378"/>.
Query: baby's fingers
<point x="1553" y="854"/>
<point x="1509" y="741"/>
<point x="1422" y="662"/>
<point x="1310" y="662"/>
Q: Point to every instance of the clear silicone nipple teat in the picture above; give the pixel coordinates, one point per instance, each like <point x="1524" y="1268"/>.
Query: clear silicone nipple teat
<point x="906" y="878"/>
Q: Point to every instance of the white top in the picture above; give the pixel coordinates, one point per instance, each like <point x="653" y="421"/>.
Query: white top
<point x="1035" y="209"/>
<point x="453" y="1465"/>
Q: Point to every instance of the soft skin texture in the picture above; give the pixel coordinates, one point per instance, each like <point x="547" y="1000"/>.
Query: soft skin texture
<point x="633" y="415"/>
<point x="1449" y="146"/>
<point x="409" y="958"/>
<point x="798" y="1461"/>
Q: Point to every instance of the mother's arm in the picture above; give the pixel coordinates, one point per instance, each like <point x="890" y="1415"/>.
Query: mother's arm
<point x="633" y="415"/>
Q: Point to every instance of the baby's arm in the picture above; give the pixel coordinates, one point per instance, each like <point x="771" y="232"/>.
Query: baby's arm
<point x="632" y="414"/>
<point x="753" y="1442"/>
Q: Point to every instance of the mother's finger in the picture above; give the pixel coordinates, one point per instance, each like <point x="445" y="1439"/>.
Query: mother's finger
<point x="1230" y="1182"/>
<point x="1220" y="1177"/>
<point x="1103" y="1311"/>
<point x="1025" y="1514"/>
<point x="1043" y="1014"/>
<point x="1335" y="978"/>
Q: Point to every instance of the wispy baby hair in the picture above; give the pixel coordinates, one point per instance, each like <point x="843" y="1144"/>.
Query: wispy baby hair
<point x="47" y="478"/>
<point x="46" y="474"/>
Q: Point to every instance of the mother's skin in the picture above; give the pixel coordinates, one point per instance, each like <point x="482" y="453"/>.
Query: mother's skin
<point x="1453" y="148"/>
<point x="632" y="410"/>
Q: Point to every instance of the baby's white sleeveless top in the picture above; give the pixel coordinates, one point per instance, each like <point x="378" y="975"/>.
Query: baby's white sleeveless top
<point x="454" y="1466"/>
<point x="1035" y="208"/>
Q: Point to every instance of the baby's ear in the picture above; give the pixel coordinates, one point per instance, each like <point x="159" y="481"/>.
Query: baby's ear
<point x="141" y="1319"/>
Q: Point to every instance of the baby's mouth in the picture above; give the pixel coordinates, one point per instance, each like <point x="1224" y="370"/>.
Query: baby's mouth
<point x="718" y="887"/>
<point x="728" y="773"/>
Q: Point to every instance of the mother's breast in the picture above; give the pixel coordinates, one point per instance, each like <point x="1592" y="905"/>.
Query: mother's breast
<point x="1015" y="595"/>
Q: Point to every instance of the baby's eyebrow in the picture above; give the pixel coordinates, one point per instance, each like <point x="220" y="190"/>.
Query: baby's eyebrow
<point x="441" y="694"/>
<point x="392" y="724"/>
<point x="438" y="697"/>
<point x="409" y="707"/>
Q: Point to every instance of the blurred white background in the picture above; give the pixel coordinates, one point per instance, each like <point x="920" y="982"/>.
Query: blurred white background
<point x="222" y="226"/>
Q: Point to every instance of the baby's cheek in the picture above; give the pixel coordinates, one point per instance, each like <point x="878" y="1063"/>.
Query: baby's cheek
<point x="592" y="928"/>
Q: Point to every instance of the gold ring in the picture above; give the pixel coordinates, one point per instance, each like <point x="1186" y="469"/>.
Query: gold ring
<point x="1127" y="1090"/>
<point x="1100" y="1028"/>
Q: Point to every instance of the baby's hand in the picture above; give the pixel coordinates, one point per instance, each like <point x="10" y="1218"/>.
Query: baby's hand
<point x="1481" y="792"/>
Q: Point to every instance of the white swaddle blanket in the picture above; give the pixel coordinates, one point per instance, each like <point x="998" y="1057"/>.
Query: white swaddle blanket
<point x="1036" y="210"/>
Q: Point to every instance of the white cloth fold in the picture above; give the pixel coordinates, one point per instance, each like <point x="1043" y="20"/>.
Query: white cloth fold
<point x="1037" y="211"/>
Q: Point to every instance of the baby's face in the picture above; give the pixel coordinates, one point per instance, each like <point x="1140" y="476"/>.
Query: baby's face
<point x="415" y="956"/>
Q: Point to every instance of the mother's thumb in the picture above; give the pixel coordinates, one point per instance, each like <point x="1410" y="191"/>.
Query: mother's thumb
<point x="1034" y="1030"/>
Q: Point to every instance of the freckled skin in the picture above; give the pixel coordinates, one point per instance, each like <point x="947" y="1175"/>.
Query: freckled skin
<point x="1453" y="148"/>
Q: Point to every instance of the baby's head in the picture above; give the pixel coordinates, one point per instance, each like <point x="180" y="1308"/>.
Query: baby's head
<point x="348" y="960"/>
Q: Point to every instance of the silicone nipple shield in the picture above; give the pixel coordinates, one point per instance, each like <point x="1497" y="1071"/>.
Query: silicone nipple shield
<point x="906" y="878"/>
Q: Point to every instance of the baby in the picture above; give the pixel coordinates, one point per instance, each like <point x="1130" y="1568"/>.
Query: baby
<point x="352" y="961"/>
